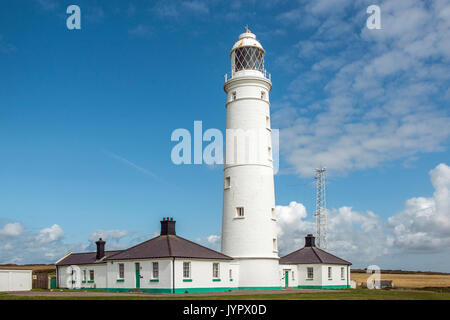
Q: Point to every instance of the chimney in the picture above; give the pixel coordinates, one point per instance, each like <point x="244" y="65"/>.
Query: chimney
<point x="167" y="226"/>
<point x="100" y="249"/>
<point x="310" y="241"/>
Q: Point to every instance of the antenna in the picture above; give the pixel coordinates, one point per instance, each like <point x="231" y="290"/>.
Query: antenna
<point x="321" y="209"/>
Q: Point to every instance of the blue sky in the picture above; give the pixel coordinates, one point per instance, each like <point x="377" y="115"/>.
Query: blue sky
<point x="86" y="118"/>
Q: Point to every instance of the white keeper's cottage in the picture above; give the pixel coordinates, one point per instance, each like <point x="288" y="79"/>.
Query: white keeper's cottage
<point x="249" y="256"/>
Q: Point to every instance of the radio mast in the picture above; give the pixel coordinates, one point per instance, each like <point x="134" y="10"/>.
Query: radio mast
<point x="321" y="209"/>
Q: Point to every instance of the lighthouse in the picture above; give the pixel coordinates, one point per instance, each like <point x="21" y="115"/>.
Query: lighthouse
<point x="248" y="218"/>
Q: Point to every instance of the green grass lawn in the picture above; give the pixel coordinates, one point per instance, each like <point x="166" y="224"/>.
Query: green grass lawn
<point x="348" y="294"/>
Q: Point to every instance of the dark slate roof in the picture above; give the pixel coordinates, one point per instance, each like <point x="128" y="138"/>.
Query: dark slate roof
<point x="84" y="258"/>
<point x="168" y="246"/>
<point x="312" y="255"/>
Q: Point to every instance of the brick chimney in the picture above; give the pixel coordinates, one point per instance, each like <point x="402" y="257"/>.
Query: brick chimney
<point x="100" y="249"/>
<point x="168" y="226"/>
<point x="310" y="241"/>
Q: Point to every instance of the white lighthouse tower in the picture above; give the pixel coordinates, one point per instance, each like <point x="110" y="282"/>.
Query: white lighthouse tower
<point x="248" y="221"/>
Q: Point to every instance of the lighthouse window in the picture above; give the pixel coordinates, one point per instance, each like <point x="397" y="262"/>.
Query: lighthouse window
<point x="233" y="95"/>
<point x="269" y="152"/>
<point x="216" y="273"/>
<point x="249" y="58"/>
<point x="227" y="182"/>
<point x="263" y="95"/>
<point x="273" y="213"/>
<point x="274" y="244"/>
<point x="268" y="122"/>
<point x="240" y="211"/>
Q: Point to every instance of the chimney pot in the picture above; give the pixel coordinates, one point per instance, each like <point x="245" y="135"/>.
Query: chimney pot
<point x="310" y="241"/>
<point x="168" y="227"/>
<point x="100" y="249"/>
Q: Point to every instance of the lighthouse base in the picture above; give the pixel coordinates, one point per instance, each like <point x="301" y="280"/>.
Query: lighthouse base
<point x="259" y="273"/>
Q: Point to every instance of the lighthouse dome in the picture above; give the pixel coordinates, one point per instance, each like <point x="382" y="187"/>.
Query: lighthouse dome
<point x="247" y="55"/>
<point x="247" y="39"/>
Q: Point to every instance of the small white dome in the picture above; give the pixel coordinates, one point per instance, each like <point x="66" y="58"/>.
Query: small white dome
<point x="247" y="39"/>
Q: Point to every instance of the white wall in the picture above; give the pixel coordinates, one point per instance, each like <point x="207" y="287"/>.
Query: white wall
<point x="65" y="277"/>
<point x="146" y="272"/>
<point x="15" y="280"/>
<point x="202" y="274"/>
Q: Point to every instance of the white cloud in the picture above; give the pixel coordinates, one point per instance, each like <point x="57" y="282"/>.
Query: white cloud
<point x="11" y="229"/>
<point x="358" y="237"/>
<point x="141" y="31"/>
<point x="53" y="233"/>
<point x="424" y="224"/>
<point x="363" y="238"/>
<point x="361" y="100"/>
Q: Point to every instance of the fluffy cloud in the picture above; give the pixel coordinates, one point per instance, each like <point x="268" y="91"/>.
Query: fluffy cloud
<point x="53" y="233"/>
<point x="363" y="238"/>
<point x="358" y="237"/>
<point x="361" y="99"/>
<point x="11" y="230"/>
<point x="424" y="224"/>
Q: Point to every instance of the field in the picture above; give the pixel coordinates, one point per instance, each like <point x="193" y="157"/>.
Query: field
<point x="408" y="280"/>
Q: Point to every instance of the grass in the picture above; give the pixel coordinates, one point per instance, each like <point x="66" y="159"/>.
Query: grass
<point x="347" y="294"/>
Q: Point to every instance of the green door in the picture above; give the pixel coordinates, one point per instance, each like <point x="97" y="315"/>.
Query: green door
<point x="286" y="278"/>
<point x="138" y="275"/>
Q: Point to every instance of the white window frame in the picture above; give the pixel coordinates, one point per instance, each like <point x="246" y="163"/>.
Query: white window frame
<point x="187" y="270"/>
<point x="227" y="182"/>
<point x="330" y="273"/>
<point x="121" y="272"/>
<point x="155" y="271"/>
<point x="308" y="269"/>
<point x="216" y="270"/>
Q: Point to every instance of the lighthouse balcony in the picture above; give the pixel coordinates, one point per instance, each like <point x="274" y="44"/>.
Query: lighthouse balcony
<point x="248" y="73"/>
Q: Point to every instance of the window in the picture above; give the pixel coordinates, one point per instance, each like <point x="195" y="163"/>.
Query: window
<point x="274" y="241"/>
<point x="240" y="211"/>
<point x="269" y="153"/>
<point x="231" y="274"/>
<point x="342" y="273"/>
<point x="91" y="275"/>
<point x="268" y="123"/>
<point x="233" y="95"/>
<point x="216" y="273"/>
<point x="263" y="95"/>
<point x="293" y="278"/>
<point x="273" y="213"/>
<point x="155" y="269"/>
<point x="186" y="269"/>
<point x="227" y="182"/>
<point x="249" y="58"/>
<point x="329" y="273"/>
<point x="310" y="272"/>
<point x="121" y="271"/>
<point x="84" y="275"/>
